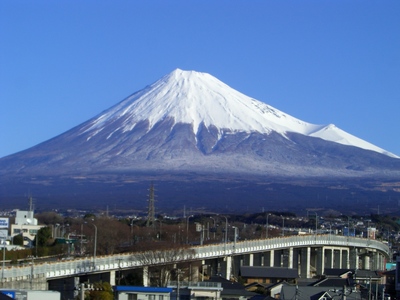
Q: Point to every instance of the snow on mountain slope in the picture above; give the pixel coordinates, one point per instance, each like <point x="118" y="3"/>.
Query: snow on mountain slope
<point x="196" y="98"/>
<point x="335" y="134"/>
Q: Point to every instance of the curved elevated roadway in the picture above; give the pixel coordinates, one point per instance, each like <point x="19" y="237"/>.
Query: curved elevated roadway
<point x="295" y="246"/>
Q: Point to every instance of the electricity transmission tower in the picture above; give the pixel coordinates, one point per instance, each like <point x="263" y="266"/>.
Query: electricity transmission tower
<point x="151" y="210"/>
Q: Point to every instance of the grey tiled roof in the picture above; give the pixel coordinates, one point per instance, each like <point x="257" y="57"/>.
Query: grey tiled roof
<point x="336" y="282"/>
<point x="336" y="272"/>
<point x="231" y="288"/>
<point x="268" y="272"/>
<point x="312" y="293"/>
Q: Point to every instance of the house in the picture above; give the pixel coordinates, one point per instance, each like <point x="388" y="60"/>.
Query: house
<point x="195" y="290"/>
<point x="317" y="293"/>
<point x="366" y="282"/>
<point x="337" y="278"/>
<point x="366" y="276"/>
<point x="250" y="274"/>
<point x="266" y="289"/>
<point x="355" y="277"/>
<point x="231" y="289"/>
<point x="142" y="293"/>
<point x="337" y="283"/>
<point x="338" y="273"/>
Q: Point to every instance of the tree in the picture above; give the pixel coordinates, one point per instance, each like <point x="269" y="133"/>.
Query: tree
<point x="49" y="218"/>
<point x="162" y="262"/>
<point x="111" y="234"/>
<point x="42" y="241"/>
<point x="101" y="291"/>
<point x="18" y="240"/>
<point x="43" y="236"/>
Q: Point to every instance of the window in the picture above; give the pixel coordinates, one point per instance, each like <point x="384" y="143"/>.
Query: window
<point x="160" y="297"/>
<point x="33" y="231"/>
<point x="132" y="296"/>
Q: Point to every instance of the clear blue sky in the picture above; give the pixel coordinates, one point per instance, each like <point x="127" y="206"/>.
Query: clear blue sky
<point x="63" y="62"/>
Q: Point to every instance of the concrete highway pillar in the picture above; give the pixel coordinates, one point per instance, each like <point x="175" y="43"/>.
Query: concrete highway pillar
<point x="194" y="272"/>
<point x="291" y="257"/>
<point x="272" y="258"/>
<point x="112" y="278"/>
<point x="320" y="263"/>
<point x="366" y="262"/>
<point x="228" y="266"/>
<point x="146" y="281"/>
<point x="251" y="259"/>
<point x="305" y="257"/>
<point x="354" y="258"/>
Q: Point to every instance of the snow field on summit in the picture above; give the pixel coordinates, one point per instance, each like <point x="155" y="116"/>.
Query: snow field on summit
<point x="196" y="98"/>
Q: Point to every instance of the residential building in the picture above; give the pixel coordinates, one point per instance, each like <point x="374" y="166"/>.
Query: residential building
<point x="196" y="290"/>
<point x="27" y="225"/>
<point x="142" y="293"/>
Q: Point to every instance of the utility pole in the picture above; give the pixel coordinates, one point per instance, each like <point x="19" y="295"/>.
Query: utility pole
<point x="266" y="226"/>
<point x="82" y="291"/>
<point x="178" y="272"/>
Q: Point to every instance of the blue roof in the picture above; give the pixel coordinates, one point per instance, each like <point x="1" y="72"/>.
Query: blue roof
<point x="142" y="289"/>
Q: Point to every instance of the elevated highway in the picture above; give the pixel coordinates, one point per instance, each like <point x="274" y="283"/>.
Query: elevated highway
<point x="310" y="254"/>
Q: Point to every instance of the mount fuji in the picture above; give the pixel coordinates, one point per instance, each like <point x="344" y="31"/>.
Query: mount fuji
<point x="186" y="128"/>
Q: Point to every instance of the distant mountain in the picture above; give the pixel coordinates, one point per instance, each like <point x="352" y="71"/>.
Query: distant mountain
<point x="191" y="123"/>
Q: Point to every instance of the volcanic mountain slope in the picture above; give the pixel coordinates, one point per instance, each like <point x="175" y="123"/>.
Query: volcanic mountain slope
<point x="204" y="145"/>
<point x="191" y="121"/>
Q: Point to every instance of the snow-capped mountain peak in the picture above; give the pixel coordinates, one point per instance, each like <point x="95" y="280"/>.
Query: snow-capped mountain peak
<point x="197" y="99"/>
<point x="193" y="98"/>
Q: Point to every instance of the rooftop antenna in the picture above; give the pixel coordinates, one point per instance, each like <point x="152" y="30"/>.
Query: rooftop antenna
<point x="30" y="202"/>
